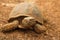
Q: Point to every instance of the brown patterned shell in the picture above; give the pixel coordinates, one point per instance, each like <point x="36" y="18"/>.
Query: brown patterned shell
<point x="26" y="9"/>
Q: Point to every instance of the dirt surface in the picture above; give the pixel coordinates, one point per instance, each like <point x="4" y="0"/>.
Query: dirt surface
<point x="50" y="10"/>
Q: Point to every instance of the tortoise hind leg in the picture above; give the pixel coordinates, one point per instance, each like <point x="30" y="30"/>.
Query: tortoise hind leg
<point x="9" y="26"/>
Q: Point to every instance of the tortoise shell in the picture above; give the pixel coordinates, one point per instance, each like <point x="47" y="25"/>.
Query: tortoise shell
<point x="26" y="9"/>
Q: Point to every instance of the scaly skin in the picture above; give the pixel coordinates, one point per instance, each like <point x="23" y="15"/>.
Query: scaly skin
<point x="28" y="22"/>
<point x="9" y="26"/>
<point x="40" y="28"/>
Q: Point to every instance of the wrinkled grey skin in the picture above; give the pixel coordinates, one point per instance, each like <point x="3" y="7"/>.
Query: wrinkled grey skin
<point x="26" y="16"/>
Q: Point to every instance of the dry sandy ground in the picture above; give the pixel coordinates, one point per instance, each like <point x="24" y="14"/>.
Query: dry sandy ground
<point x="50" y="10"/>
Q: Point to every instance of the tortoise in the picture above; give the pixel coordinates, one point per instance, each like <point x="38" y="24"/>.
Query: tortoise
<point x="25" y="16"/>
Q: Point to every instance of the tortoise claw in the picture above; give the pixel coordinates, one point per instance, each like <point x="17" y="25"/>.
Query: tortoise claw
<point x="9" y="26"/>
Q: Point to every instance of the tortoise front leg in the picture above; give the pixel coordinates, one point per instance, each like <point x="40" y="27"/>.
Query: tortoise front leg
<point x="39" y="28"/>
<point x="9" y="26"/>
